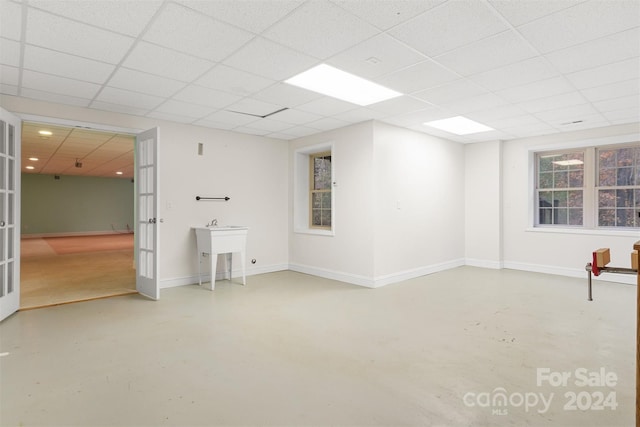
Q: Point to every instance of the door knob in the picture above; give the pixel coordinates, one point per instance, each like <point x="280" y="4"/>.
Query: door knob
<point x="2" y="223"/>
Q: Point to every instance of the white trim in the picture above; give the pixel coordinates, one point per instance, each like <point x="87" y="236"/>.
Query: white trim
<point x="191" y="280"/>
<point x="354" y="279"/>
<point x="585" y="231"/>
<point x="484" y="263"/>
<point x="569" y="272"/>
<point x="301" y="189"/>
<point x="417" y="272"/>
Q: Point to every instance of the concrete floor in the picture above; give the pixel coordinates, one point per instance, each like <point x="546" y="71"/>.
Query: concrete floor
<point x="291" y="349"/>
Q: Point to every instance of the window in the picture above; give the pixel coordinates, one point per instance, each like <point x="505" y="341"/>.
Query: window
<point x="314" y="207"/>
<point x="594" y="187"/>
<point x="320" y="190"/>
<point x="618" y="187"/>
<point x="561" y="188"/>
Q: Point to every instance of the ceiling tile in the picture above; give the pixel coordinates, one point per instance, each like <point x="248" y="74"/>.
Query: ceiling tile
<point x="255" y="107"/>
<point x="537" y="89"/>
<point x="553" y="102"/>
<point x="631" y="102"/>
<point x="326" y="106"/>
<point x="495" y="113"/>
<point x="9" y="75"/>
<point x="165" y="62"/>
<point x="587" y="122"/>
<point x="205" y="96"/>
<point x="328" y="123"/>
<point x="387" y="14"/>
<point x="567" y="114"/>
<point x="360" y="114"/>
<point x="269" y="125"/>
<point x="234" y="81"/>
<point x="533" y="129"/>
<point x="122" y="109"/>
<point x="225" y="125"/>
<point x="9" y="52"/>
<point x="10" y="20"/>
<point x="54" y="97"/>
<point x="475" y="103"/>
<point x="418" y="77"/>
<point x="173" y="117"/>
<point x="449" y="92"/>
<point x="320" y="28"/>
<point x="122" y="16"/>
<point x="606" y="74"/>
<point x="185" y="109"/>
<point x="196" y="34"/>
<point x="399" y="105"/>
<point x="138" y="100"/>
<point x="489" y="53"/>
<point x="521" y="12"/>
<point x="64" y="35"/>
<point x="137" y="81"/>
<point x="614" y="90"/>
<point x="300" y="131"/>
<point x="296" y="117"/>
<point x="449" y="26"/>
<point x="251" y="130"/>
<point x="520" y="73"/>
<point x="418" y="117"/>
<point x="286" y="94"/>
<point x="510" y="122"/>
<point x="270" y="60"/>
<point x="228" y="118"/>
<point x="583" y="22"/>
<point x="252" y="15"/>
<point x="59" y="85"/>
<point x="375" y="57"/>
<point x="61" y="64"/>
<point x="613" y="48"/>
<point x="622" y="116"/>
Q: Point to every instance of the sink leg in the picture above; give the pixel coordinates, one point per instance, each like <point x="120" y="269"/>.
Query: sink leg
<point x="214" y="264"/>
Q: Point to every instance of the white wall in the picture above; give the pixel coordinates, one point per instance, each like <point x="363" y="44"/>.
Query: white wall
<point x="252" y="170"/>
<point x="483" y="204"/>
<point x="418" y="204"/>
<point x="348" y="254"/>
<point x="378" y="168"/>
<point x="556" y="253"/>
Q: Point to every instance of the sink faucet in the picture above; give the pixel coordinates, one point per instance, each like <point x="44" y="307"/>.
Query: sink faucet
<point x="213" y="223"/>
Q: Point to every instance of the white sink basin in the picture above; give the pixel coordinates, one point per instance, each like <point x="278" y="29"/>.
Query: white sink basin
<point x="228" y="227"/>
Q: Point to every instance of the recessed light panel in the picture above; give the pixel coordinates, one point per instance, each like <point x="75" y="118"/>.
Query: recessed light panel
<point x="45" y="132"/>
<point x="336" y="83"/>
<point x="459" y="125"/>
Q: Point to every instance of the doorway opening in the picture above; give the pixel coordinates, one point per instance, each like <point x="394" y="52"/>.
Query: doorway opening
<point x="78" y="201"/>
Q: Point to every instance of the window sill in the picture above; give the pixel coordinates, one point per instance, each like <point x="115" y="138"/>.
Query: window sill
<point x="589" y="231"/>
<point x="314" y="232"/>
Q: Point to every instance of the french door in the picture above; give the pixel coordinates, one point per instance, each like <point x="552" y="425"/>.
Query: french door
<point x="146" y="233"/>
<point x="10" y="127"/>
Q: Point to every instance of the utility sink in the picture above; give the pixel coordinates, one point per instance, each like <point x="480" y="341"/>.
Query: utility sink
<point x="221" y="239"/>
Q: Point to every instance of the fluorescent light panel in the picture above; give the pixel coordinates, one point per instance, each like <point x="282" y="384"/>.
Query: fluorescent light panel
<point x="458" y="125"/>
<point x="330" y="81"/>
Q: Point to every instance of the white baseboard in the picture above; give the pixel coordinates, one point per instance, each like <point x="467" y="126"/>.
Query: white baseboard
<point x="417" y="272"/>
<point x="354" y="279"/>
<point x="570" y="272"/>
<point x="190" y="280"/>
<point x="484" y="263"/>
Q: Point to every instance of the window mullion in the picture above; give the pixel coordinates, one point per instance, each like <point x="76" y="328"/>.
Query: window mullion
<point x="590" y="188"/>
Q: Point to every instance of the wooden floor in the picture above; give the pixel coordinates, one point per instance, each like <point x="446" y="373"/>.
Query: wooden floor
<point x="61" y="270"/>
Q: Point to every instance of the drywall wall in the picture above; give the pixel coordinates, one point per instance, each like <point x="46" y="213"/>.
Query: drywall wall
<point x="252" y="170"/>
<point x="418" y="204"/>
<point x="378" y="168"/>
<point x="564" y="252"/>
<point x="483" y="204"/>
<point x="73" y="205"/>
<point x="346" y="255"/>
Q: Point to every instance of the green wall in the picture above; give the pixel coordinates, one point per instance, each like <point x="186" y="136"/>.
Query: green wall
<point x="76" y="204"/>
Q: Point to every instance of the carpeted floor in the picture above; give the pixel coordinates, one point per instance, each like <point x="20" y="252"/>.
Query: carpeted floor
<point x="69" y="269"/>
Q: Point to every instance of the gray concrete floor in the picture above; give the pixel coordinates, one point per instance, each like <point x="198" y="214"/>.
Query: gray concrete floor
<point x="291" y="349"/>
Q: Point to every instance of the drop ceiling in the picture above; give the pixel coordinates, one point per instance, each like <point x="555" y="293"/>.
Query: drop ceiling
<point x="522" y="67"/>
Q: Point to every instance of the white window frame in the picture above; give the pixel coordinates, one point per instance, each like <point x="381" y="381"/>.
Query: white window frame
<point x="301" y="185"/>
<point x="590" y="207"/>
